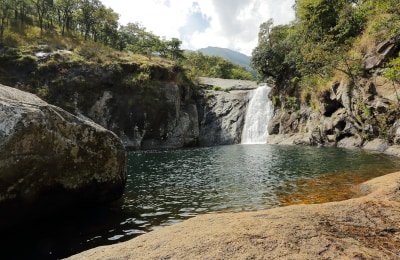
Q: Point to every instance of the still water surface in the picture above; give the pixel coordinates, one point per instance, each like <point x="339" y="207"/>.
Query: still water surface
<point x="166" y="187"/>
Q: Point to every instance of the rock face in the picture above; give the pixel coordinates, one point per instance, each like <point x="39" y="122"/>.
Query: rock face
<point x="149" y="105"/>
<point x="51" y="160"/>
<point x="161" y="116"/>
<point x="222" y="106"/>
<point x="165" y="115"/>
<point x="361" y="228"/>
<point x="222" y="115"/>
<point x="348" y="114"/>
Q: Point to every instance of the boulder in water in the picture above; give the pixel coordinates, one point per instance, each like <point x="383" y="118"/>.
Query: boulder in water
<point x="51" y="160"/>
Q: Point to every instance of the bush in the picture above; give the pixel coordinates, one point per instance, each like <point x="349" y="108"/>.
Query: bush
<point x="88" y="51"/>
<point x="291" y="103"/>
<point x="217" y="88"/>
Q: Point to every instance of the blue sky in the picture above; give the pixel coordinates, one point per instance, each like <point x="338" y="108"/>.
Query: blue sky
<point x="230" y="24"/>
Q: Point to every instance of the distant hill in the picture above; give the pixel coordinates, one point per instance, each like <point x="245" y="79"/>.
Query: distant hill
<point x="233" y="56"/>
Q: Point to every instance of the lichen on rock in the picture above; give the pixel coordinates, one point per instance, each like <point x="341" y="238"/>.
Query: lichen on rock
<point x="51" y="159"/>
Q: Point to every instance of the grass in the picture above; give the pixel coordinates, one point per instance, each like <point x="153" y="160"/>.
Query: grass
<point x="28" y="40"/>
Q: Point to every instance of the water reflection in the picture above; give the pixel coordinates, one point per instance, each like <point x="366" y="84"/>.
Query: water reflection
<point x="169" y="186"/>
<point x="166" y="187"/>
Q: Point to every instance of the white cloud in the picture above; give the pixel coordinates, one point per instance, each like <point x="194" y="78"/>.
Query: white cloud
<point x="230" y="24"/>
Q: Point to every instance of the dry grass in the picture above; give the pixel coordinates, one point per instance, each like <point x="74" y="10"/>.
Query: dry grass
<point x="375" y="32"/>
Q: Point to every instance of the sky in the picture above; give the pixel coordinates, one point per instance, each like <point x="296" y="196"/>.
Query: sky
<point x="232" y="24"/>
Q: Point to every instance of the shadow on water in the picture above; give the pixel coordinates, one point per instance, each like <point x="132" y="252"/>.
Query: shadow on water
<point x="167" y="187"/>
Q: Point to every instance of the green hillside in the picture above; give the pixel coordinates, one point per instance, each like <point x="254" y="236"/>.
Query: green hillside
<point x="233" y="56"/>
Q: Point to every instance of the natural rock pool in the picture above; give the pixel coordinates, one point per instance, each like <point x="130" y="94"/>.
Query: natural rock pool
<point x="166" y="187"/>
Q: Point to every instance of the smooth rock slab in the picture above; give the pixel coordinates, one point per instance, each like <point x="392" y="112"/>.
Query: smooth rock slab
<point x="363" y="228"/>
<point x="52" y="160"/>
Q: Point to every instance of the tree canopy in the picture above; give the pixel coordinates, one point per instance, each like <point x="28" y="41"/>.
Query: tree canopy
<point x="327" y="37"/>
<point x="88" y="18"/>
<point x="214" y="67"/>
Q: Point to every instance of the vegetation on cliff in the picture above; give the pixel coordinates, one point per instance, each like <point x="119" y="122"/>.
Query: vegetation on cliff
<point x="38" y="36"/>
<point x="327" y="40"/>
<point x="337" y="59"/>
<point x="56" y="48"/>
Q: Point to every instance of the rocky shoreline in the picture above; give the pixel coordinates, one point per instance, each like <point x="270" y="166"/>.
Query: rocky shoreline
<point x="378" y="145"/>
<point x="367" y="227"/>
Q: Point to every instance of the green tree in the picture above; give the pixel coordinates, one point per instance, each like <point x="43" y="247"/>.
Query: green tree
<point x="66" y="10"/>
<point x="87" y="16"/>
<point x="173" y="49"/>
<point x="139" y="41"/>
<point x="6" y="7"/>
<point x="21" y="9"/>
<point x="106" y="27"/>
<point x="318" y="17"/>
<point x="274" y="56"/>
<point x="214" y="66"/>
<point x="43" y="7"/>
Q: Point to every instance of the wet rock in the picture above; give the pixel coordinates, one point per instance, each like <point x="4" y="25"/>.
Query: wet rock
<point x="393" y="150"/>
<point x="221" y="116"/>
<point x="51" y="160"/>
<point x="376" y="145"/>
<point x="290" y="139"/>
<point x="350" y="142"/>
<point x="395" y="132"/>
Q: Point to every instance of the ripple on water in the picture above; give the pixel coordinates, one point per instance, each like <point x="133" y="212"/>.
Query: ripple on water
<point x="167" y="187"/>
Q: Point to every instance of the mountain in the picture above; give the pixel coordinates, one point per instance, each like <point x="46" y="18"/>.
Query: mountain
<point x="233" y="56"/>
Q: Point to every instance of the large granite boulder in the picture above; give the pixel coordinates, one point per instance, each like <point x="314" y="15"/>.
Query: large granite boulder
<point x="51" y="160"/>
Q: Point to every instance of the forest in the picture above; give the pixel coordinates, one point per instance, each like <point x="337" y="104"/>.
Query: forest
<point x="327" y="41"/>
<point x="23" y="22"/>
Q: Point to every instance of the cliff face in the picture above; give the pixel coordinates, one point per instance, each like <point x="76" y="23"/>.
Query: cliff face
<point x="170" y="116"/>
<point x="163" y="116"/>
<point x="222" y="112"/>
<point x="363" y="114"/>
<point x="149" y="104"/>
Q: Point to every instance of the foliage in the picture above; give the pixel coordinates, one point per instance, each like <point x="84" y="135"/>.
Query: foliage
<point x="89" y="20"/>
<point x="326" y="38"/>
<point x="214" y="67"/>
<point x="217" y="88"/>
<point x="393" y="72"/>
<point x="273" y="57"/>
<point x="291" y="103"/>
<point x="233" y="56"/>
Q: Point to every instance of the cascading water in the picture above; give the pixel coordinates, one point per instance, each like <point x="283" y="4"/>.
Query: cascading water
<point x="258" y="114"/>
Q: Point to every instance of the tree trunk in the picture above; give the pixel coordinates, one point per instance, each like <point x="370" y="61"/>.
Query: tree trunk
<point x="2" y="29"/>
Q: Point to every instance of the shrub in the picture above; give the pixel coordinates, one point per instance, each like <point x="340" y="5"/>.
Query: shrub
<point x="291" y="103"/>
<point x="217" y="88"/>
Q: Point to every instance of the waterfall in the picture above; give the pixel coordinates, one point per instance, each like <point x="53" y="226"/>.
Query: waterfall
<point x="259" y="112"/>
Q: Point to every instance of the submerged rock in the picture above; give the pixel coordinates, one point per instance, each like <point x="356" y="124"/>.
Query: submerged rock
<point x="51" y="160"/>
